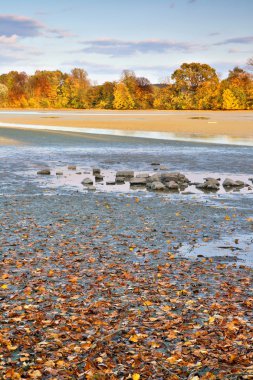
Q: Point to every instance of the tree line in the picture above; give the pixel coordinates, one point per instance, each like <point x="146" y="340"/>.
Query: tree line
<point x="193" y="86"/>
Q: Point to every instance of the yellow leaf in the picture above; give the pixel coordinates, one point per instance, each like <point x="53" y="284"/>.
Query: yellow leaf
<point x="133" y="338"/>
<point x="147" y="303"/>
<point x="60" y="363"/>
<point x="136" y="376"/>
<point x="155" y="345"/>
<point x="11" y="347"/>
<point x="172" y="359"/>
<point x="137" y="199"/>
<point x="249" y="219"/>
<point x="131" y="249"/>
<point x="227" y="217"/>
<point x="35" y="374"/>
<point x="211" y="320"/>
<point x="4" y="286"/>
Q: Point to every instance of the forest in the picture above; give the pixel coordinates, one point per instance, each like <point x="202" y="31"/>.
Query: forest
<point x="193" y="86"/>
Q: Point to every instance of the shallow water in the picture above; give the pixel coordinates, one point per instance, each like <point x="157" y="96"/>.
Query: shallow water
<point x="37" y="149"/>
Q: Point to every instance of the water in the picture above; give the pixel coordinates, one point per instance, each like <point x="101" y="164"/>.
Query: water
<point x="38" y="149"/>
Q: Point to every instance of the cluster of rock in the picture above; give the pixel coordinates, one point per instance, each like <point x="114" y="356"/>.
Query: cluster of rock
<point x="155" y="182"/>
<point x="214" y="184"/>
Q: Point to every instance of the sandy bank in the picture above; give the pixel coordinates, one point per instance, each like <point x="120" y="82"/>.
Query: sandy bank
<point x="237" y="124"/>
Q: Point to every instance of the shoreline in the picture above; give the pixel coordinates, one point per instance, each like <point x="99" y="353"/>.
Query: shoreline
<point x="197" y="124"/>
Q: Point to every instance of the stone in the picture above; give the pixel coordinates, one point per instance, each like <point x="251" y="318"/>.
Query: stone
<point x="96" y="171"/>
<point x="91" y="187"/>
<point x="142" y="175"/>
<point x="120" y="179"/>
<point x="177" y="177"/>
<point x="228" y="182"/>
<point x="154" y="178"/>
<point x="155" y="163"/>
<point x="157" y="186"/>
<point x="239" y="183"/>
<point x="110" y="183"/>
<point x="99" y="177"/>
<point x="172" y="185"/>
<point x="138" y="181"/>
<point x="44" y="172"/>
<point x="125" y="173"/>
<point x="210" y="184"/>
<point x="87" y="181"/>
<point x="59" y="173"/>
<point x="212" y="180"/>
<point x="72" y="167"/>
<point x="163" y="167"/>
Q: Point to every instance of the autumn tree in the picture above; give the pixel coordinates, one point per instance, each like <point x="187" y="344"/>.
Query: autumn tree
<point x="3" y="94"/>
<point x="229" y="101"/>
<point x="122" y="98"/>
<point x="240" y="84"/>
<point x="139" y="88"/>
<point x="78" y="85"/>
<point x="17" y="88"/>
<point x="189" y="79"/>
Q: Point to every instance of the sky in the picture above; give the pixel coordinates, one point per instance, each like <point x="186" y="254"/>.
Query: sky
<point x="104" y="37"/>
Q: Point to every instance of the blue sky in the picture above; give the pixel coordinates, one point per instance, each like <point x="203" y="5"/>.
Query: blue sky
<point x="151" y="37"/>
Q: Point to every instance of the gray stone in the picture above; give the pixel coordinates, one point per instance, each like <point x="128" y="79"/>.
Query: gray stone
<point x="172" y="185"/>
<point x="157" y="186"/>
<point x="125" y="173"/>
<point x="87" y="181"/>
<point x="99" y="177"/>
<point x="163" y="167"/>
<point x="72" y="167"/>
<point x="120" y="179"/>
<point x="59" y="173"/>
<point x="210" y="184"/>
<point x="228" y="182"/>
<point x="155" y="163"/>
<point x="90" y="187"/>
<point x="44" y="172"/>
<point x="177" y="177"/>
<point x="96" y="171"/>
<point x="212" y="180"/>
<point x="138" y="181"/>
<point x="239" y="183"/>
<point x="110" y="182"/>
<point x="154" y="178"/>
<point x="142" y="175"/>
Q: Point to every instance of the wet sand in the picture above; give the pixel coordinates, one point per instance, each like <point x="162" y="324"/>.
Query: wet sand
<point x="8" y="142"/>
<point x="236" y="124"/>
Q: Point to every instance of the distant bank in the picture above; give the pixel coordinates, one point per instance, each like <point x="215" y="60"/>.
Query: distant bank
<point x="210" y="126"/>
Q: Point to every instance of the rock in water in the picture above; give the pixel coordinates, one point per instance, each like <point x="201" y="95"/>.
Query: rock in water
<point x="87" y="181"/>
<point x="138" y="181"/>
<point x="228" y="182"/>
<point x="125" y="173"/>
<point x="172" y="185"/>
<point x="44" y="172"/>
<point x="157" y="186"/>
<point x="96" y="171"/>
<point x="72" y="167"/>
